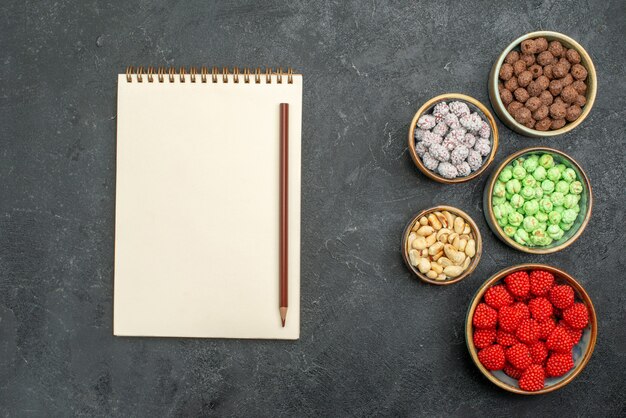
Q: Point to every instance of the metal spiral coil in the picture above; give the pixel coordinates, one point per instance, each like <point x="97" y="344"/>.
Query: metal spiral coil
<point x="249" y="75"/>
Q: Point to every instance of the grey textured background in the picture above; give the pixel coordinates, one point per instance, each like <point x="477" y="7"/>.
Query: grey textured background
<point x="374" y="340"/>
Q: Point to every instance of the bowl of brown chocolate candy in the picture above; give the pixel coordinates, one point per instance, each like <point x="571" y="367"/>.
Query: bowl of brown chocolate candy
<point x="543" y="84"/>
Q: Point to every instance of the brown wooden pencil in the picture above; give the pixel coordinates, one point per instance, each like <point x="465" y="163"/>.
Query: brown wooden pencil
<point x="284" y="210"/>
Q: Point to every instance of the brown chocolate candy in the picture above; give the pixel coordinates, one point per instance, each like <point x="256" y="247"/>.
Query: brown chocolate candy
<point x="580" y="100"/>
<point x="521" y="95"/>
<point x="533" y="103"/>
<point x="513" y="106"/>
<point x="536" y="70"/>
<point x="528" y="46"/>
<point x="569" y="94"/>
<point x="522" y="115"/>
<point x="541" y="113"/>
<point x="544" y="82"/>
<point x="557" y="124"/>
<point x="556" y="48"/>
<point x="506" y="71"/>
<point x="558" y="100"/>
<point x="547" y="71"/>
<point x="541" y="44"/>
<point x="534" y="88"/>
<point x="543" y="124"/>
<point x="529" y="59"/>
<point x="519" y="67"/>
<point x="525" y="78"/>
<point x="511" y="57"/>
<point x="559" y="70"/>
<point x="545" y="58"/>
<point x="546" y="97"/>
<point x="566" y="63"/>
<point x="511" y="84"/>
<point x="555" y="87"/>
<point x="572" y="56"/>
<point x="558" y="110"/>
<point x="506" y="96"/>
<point x="567" y="80"/>
<point x="578" y="72"/>
<point x="573" y="112"/>
<point x="530" y="124"/>
<point x="580" y="86"/>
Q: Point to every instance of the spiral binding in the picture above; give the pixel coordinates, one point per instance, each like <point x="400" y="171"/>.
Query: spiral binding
<point x="205" y="75"/>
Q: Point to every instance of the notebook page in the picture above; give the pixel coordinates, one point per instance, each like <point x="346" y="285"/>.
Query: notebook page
<point x="197" y="209"/>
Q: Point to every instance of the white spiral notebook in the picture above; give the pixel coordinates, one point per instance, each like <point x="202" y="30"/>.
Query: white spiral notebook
<point x="197" y="204"/>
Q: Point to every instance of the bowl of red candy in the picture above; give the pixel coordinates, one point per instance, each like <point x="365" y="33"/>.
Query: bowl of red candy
<point x="531" y="329"/>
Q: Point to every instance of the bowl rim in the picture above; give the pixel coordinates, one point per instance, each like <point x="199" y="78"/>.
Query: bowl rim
<point x="453" y="96"/>
<point x="479" y="244"/>
<point x="506" y="116"/>
<point x="493" y="223"/>
<point x="582" y="293"/>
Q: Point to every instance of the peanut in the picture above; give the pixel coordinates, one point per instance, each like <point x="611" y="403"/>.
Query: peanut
<point x="441" y="245"/>
<point x="453" y="271"/>
<point x="423" y="265"/>
<point x="459" y="224"/>
<point x="432" y="219"/>
<point x="470" y="248"/>
<point x="419" y="243"/>
<point x="425" y="230"/>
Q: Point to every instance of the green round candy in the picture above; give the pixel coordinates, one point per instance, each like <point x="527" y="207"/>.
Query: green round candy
<point x="502" y="222"/>
<point x="570" y="201"/>
<point x="531" y="163"/>
<point x="531" y="207"/>
<point x="509" y="230"/>
<point x="517" y="201"/>
<point x="559" y="209"/>
<point x="555" y="232"/>
<point x="546" y="161"/>
<point x="507" y="208"/>
<point x="538" y="192"/>
<point x="569" y="216"/>
<point x="527" y="193"/>
<point x="513" y="186"/>
<point x="557" y="198"/>
<point x="561" y="167"/>
<point x="569" y="175"/>
<point x="497" y="211"/>
<point x="499" y="189"/>
<point x="529" y="181"/>
<point x="521" y="237"/>
<point x="519" y="172"/>
<point x="530" y="223"/>
<point x="576" y="187"/>
<point x="562" y="187"/>
<point x="547" y="186"/>
<point x="554" y="217"/>
<point x="542" y="241"/>
<point x="498" y="200"/>
<point x="540" y="173"/>
<point x="566" y="227"/>
<point x="542" y="226"/>
<point x="541" y="216"/>
<point x="515" y="218"/>
<point x="546" y="204"/>
<point x="506" y="174"/>
<point x="554" y="174"/>
<point x="576" y="208"/>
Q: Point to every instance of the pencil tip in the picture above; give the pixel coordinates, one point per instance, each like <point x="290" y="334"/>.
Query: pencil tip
<point x="283" y="315"/>
<point x="283" y="321"/>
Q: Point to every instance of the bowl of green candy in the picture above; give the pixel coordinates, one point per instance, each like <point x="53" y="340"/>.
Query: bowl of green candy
<point x="538" y="200"/>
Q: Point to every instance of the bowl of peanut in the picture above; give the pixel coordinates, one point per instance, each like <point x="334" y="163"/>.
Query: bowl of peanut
<point x="441" y="245"/>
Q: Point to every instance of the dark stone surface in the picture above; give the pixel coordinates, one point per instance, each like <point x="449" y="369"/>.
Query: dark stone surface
<point x="374" y="340"/>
